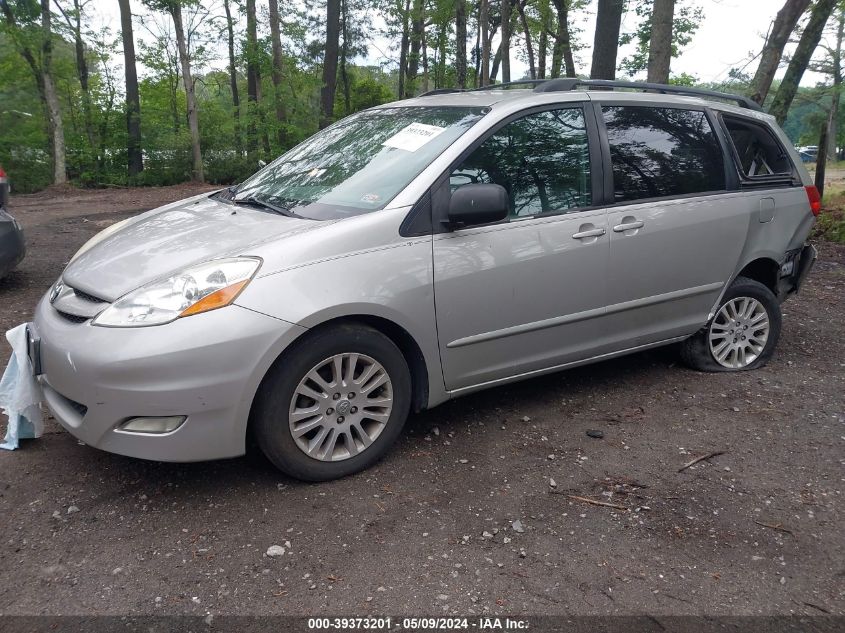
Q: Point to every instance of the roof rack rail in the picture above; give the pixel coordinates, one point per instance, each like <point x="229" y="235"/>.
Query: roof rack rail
<point x="441" y="91"/>
<point x="571" y="83"/>
<point x="501" y="86"/>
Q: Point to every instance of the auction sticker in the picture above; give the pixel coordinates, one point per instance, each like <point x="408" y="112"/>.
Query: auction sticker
<point x="413" y="137"/>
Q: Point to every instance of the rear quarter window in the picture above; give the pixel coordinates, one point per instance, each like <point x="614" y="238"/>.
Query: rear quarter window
<point x="662" y="152"/>
<point x="758" y="153"/>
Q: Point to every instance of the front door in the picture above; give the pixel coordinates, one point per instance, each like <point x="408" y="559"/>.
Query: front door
<point x="527" y="293"/>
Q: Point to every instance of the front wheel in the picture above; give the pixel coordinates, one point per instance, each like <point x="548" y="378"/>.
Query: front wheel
<point x="742" y="335"/>
<point x="333" y="404"/>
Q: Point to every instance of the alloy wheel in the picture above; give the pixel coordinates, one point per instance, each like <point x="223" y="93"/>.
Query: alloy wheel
<point x="739" y="332"/>
<point x="340" y="407"/>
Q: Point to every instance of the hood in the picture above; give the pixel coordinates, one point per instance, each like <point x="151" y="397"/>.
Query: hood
<point x="165" y="241"/>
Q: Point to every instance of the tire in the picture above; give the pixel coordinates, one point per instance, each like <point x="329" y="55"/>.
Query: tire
<point x="723" y="355"/>
<point x="334" y="438"/>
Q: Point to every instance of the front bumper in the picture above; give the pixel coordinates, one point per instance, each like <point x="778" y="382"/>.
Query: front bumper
<point x="206" y="367"/>
<point x="12" y="246"/>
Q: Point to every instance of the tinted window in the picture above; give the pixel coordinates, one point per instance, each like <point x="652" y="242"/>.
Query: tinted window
<point x="659" y="152"/>
<point x="542" y="160"/>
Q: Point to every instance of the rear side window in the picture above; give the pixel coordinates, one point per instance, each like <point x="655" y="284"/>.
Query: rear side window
<point x="758" y="152"/>
<point x="659" y="152"/>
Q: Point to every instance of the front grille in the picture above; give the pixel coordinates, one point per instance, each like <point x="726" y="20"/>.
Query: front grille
<point x="86" y="297"/>
<point x="73" y="318"/>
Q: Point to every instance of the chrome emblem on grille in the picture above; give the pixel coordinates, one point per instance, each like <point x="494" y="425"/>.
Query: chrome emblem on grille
<point x="56" y="291"/>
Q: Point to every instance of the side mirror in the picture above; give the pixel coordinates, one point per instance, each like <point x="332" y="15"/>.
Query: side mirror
<point x="478" y="204"/>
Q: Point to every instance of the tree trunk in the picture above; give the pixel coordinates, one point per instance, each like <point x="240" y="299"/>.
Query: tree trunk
<point x="821" y="160"/>
<point x="660" y="45"/>
<point x="562" y="50"/>
<point x="75" y="25"/>
<point x="543" y="41"/>
<point x="461" y="43"/>
<point x="327" y="92"/>
<point x="424" y="58"/>
<point x="782" y="28"/>
<point x="505" y="46"/>
<point x="403" y="47"/>
<point x="484" y="21"/>
<point x="417" y="25"/>
<point x="133" y="99"/>
<point x="526" y="32"/>
<point x="197" y="174"/>
<point x="798" y="64"/>
<point x="833" y="121"/>
<point x="344" y="54"/>
<point x="233" y="77"/>
<point x="253" y="79"/>
<point x="276" y="42"/>
<point x="606" y="39"/>
<point x="494" y="68"/>
<point x="51" y="99"/>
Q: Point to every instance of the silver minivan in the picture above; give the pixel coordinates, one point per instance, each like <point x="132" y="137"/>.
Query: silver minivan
<point x="423" y="250"/>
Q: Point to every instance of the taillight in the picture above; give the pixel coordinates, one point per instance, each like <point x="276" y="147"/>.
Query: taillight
<point x="814" y="198"/>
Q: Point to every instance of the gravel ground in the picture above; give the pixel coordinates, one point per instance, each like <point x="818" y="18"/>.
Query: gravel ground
<point x="479" y="508"/>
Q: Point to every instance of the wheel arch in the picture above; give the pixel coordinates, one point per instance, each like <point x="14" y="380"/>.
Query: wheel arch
<point x="763" y="269"/>
<point x="406" y="343"/>
<point x="417" y="364"/>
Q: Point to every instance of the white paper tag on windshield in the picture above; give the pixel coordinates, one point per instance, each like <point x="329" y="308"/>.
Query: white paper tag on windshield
<point x="413" y="137"/>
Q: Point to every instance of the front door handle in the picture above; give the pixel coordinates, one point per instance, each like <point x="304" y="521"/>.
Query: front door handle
<point x="590" y="233"/>
<point x="628" y="226"/>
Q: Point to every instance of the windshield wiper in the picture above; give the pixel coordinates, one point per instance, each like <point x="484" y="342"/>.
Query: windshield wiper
<point x="255" y="202"/>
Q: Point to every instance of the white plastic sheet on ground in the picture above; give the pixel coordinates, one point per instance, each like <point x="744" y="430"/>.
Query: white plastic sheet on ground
<point x="20" y="393"/>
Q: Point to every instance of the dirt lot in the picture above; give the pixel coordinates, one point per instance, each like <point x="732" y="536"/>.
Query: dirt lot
<point x="757" y="530"/>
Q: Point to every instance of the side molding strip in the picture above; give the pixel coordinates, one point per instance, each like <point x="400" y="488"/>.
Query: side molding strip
<point x="583" y="316"/>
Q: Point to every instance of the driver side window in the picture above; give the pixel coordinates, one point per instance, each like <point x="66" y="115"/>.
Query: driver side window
<point x="542" y="160"/>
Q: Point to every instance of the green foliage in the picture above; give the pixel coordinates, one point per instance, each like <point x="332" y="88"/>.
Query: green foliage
<point x="688" y="17"/>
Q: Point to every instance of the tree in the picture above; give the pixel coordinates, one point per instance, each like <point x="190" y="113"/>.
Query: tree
<point x="484" y="22"/>
<point x="330" y="60"/>
<point x="505" y="46"/>
<point x="276" y="43"/>
<point x="526" y="33"/>
<point x="42" y="73"/>
<point x="606" y="40"/>
<point x="801" y="58"/>
<point x="133" y="99"/>
<point x="660" y="45"/>
<point x="74" y="23"/>
<point x="782" y="28"/>
<point x="685" y="18"/>
<point x="461" y="43"/>
<point x="175" y="8"/>
<point x="233" y="76"/>
<point x="562" y="49"/>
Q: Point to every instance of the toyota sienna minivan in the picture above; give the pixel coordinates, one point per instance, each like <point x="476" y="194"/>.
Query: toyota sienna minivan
<point x="423" y="250"/>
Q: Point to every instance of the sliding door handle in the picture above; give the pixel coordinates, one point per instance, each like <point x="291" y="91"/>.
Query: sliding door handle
<point x="628" y="226"/>
<point x="590" y="233"/>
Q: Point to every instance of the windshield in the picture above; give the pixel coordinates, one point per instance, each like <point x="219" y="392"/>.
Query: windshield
<point x="359" y="164"/>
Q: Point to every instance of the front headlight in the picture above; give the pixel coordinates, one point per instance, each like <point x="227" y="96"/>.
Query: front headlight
<point x="198" y="289"/>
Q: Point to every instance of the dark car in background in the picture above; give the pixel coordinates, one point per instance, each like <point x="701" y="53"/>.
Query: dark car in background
<point x="12" y="248"/>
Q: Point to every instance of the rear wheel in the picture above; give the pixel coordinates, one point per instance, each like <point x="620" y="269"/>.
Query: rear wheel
<point x="743" y="333"/>
<point x="333" y="404"/>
